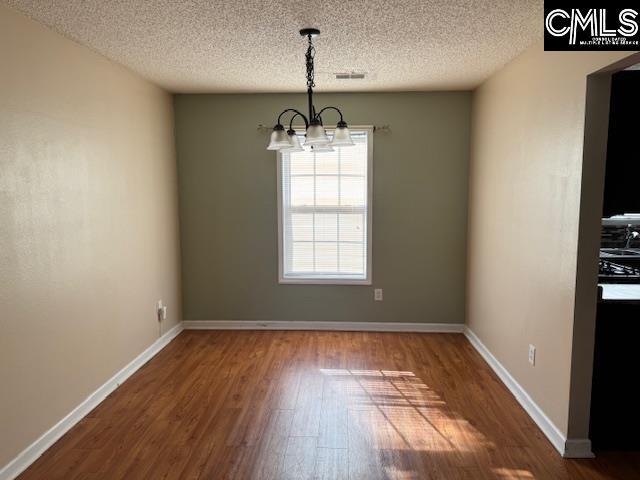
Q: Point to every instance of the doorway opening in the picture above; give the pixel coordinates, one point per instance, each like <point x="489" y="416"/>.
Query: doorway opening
<point x="608" y="273"/>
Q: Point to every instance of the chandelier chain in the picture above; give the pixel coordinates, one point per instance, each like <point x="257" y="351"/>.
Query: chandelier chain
<point x="311" y="52"/>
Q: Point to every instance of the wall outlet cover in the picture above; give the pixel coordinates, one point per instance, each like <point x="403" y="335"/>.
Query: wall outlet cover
<point x="532" y="354"/>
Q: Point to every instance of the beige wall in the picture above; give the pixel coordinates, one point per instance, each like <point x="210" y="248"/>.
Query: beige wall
<point x="88" y="224"/>
<point x="524" y="204"/>
<point x="228" y="211"/>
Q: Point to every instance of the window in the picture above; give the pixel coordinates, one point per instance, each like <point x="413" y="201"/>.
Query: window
<point x="324" y="213"/>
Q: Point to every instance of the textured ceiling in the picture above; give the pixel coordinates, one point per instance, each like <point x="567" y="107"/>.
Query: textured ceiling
<point x="253" y="45"/>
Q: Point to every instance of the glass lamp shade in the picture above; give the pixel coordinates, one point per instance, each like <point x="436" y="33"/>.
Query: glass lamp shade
<point x="294" y="143"/>
<point x="341" y="137"/>
<point x="279" y="139"/>
<point x="316" y="135"/>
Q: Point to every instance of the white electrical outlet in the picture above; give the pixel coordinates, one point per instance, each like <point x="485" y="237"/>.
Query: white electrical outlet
<point x="161" y="311"/>
<point x="532" y="354"/>
<point x="377" y="294"/>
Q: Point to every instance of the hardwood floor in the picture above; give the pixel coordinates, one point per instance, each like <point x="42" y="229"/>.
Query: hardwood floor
<point x="320" y="405"/>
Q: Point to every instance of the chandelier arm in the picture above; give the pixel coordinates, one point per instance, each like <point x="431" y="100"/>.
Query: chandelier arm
<point x="330" y="108"/>
<point x="298" y="114"/>
<point x="306" y="121"/>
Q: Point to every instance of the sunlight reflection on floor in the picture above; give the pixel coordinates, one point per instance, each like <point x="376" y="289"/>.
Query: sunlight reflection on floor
<point x="512" y="473"/>
<point x="397" y="411"/>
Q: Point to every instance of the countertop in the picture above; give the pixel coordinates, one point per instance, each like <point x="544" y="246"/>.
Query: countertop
<point x="621" y="253"/>
<point x="620" y="292"/>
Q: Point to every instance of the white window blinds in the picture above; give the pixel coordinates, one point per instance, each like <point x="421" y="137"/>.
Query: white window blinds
<point x="325" y="213"/>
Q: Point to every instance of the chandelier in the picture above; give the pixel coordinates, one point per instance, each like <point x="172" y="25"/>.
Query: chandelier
<point x="315" y="137"/>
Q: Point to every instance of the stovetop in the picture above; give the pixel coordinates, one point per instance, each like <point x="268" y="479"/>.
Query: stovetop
<point x="611" y="272"/>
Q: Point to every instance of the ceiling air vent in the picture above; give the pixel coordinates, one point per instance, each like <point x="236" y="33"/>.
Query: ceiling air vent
<point x="349" y="76"/>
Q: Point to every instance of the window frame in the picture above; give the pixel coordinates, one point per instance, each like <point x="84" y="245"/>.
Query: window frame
<point x="369" y="129"/>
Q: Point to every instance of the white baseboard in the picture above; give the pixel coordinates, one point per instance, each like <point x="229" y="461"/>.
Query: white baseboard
<point x="338" y="326"/>
<point x="37" y="448"/>
<point x="552" y="432"/>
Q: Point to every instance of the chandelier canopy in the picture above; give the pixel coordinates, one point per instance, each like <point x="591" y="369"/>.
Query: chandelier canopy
<point x="316" y="137"/>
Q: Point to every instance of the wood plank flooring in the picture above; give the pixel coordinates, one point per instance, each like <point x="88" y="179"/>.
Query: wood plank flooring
<point x="314" y="405"/>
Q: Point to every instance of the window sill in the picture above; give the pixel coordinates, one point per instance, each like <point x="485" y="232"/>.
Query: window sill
<point x="324" y="281"/>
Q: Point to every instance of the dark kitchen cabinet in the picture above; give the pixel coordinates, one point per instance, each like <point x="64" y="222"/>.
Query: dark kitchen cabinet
<point x="621" y="192"/>
<point x="615" y="397"/>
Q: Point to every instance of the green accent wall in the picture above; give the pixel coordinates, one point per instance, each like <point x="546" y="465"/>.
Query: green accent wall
<point x="228" y="216"/>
